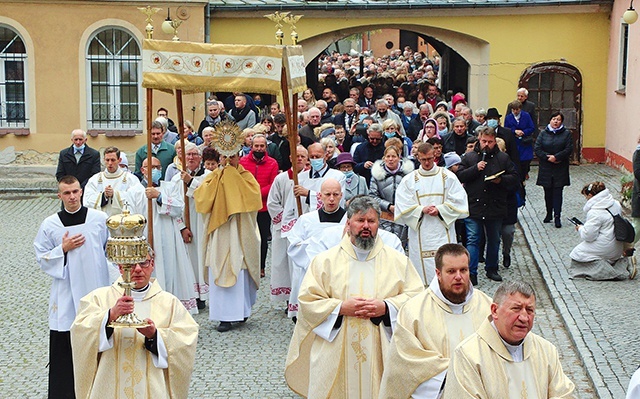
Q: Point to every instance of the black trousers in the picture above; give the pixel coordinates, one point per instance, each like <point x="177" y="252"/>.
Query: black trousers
<point x="264" y="225"/>
<point x="60" y="366"/>
<point x="553" y="200"/>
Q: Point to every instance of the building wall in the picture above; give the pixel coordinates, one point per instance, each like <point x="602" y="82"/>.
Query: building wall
<point x="622" y="128"/>
<point x="485" y="38"/>
<point x="56" y="35"/>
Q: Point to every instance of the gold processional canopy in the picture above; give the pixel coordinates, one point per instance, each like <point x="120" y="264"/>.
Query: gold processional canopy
<point x="202" y="67"/>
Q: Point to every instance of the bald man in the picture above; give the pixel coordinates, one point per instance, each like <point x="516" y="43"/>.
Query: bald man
<point x="309" y="225"/>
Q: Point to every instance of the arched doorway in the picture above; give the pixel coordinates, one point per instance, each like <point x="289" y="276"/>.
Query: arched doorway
<point x="556" y="86"/>
<point x="472" y="50"/>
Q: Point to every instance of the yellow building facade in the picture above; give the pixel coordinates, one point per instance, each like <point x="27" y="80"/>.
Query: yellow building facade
<point x="499" y="44"/>
<point x="70" y="48"/>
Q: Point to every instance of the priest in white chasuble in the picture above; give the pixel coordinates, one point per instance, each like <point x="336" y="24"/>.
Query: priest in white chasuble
<point x="349" y="300"/>
<point x="430" y="326"/>
<point x="503" y="359"/>
<point x="110" y="190"/>
<point x="230" y="197"/>
<point x="429" y="200"/>
<point x="151" y="362"/>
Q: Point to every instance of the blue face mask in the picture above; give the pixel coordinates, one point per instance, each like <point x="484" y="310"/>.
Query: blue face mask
<point x="156" y="175"/>
<point x="348" y="174"/>
<point x="443" y="131"/>
<point x="79" y="148"/>
<point x="317" y="164"/>
<point x="257" y="102"/>
<point x="389" y="134"/>
<point x="492" y="123"/>
<point x="361" y="117"/>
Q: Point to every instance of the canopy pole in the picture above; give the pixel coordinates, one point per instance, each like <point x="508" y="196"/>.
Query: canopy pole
<point x="292" y="131"/>
<point x="183" y="156"/>
<point x="149" y="166"/>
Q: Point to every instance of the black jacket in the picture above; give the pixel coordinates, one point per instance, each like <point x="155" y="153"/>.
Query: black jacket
<point x="559" y="144"/>
<point x="87" y="166"/>
<point x="487" y="200"/>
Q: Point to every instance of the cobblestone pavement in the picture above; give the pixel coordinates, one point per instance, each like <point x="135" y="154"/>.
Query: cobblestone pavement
<point x="248" y="362"/>
<point x="600" y="316"/>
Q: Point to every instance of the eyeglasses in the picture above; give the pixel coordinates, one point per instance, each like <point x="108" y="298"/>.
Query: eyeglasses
<point x="375" y="138"/>
<point x="143" y="265"/>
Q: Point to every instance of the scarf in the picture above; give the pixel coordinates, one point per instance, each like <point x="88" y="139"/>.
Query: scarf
<point x="554" y="131"/>
<point x="211" y="121"/>
<point x="239" y="115"/>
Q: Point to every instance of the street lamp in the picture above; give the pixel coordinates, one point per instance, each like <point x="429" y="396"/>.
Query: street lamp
<point x="630" y="16"/>
<point x="170" y="26"/>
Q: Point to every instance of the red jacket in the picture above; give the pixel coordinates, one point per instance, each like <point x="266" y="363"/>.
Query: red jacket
<point x="265" y="171"/>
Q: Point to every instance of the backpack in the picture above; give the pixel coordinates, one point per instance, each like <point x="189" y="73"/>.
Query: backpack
<point x="622" y="228"/>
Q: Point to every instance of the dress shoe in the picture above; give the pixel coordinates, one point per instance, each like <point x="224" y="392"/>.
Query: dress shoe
<point x="224" y="326"/>
<point x="557" y="222"/>
<point x="506" y="260"/>
<point x="547" y="219"/>
<point x="493" y="275"/>
<point x="201" y="304"/>
<point x="474" y="279"/>
<point x="481" y="259"/>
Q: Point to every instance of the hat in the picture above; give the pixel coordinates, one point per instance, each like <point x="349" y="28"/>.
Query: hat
<point x="123" y="159"/>
<point x="451" y="159"/>
<point x="493" y="113"/>
<point x="344" y="157"/>
<point x="327" y="132"/>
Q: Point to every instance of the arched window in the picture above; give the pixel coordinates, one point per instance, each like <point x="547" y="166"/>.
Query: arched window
<point x="13" y="67"/>
<point x="114" y="75"/>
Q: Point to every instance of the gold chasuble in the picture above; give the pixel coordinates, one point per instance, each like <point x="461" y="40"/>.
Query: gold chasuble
<point x="127" y="370"/>
<point x="426" y="334"/>
<point x="482" y="367"/>
<point x="230" y="199"/>
<point x="351" y="365"/>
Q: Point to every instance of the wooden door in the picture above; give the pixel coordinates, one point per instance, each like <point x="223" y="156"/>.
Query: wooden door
<point x="556" y="87"/>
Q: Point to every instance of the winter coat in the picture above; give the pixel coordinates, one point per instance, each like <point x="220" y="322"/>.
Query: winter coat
<point x="383" y="188"/>
<point x="560" y="145"/>
<point x="449" y="143"/>
<point x="525" y="143"/>
<point x="598" y="239"/>
<point x="487" y="200"/>
<point x="265" y="172"/>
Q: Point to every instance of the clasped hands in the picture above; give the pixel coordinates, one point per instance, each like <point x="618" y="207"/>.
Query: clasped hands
<point x="124" y="305"/>
<point x="363" y="308"/>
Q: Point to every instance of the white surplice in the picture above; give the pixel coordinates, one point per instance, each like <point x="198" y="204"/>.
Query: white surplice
<point x="308" y="226"/>
<point x="126" y="189"/>
<point x="173" y="265"/>
<point x="197" y="227"/>
<point x="280" y="198"/>
<point x="77" y="273"/>
<point x="422" y="188"/>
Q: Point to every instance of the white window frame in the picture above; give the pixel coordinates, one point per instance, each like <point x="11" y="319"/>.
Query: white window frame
<point x="623" y="57"/>
<point x="6" y="57"/>
<point x="114" y="84"/>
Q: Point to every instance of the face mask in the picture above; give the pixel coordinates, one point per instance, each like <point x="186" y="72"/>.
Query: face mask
<point x="316" y="164"/>
<point x="389" y="134"/>
<point x="156" y="175"/>
<point x="257" y="102"/>
<point x="258" y="155"/>
<point x="361" y="117"/>
<point x="79" y="148"/>
<point x="443" y="131"/>
<point x="421" y="101"/>
<point x="348" y="174"/>
<point x="492" y="123"/>
<point x="382" y="114"/>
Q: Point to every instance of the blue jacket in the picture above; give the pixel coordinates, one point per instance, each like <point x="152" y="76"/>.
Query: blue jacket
<point x="525" y="143"/>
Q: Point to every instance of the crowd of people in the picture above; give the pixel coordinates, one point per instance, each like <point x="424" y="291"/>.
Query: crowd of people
<point x="399" y="195"/>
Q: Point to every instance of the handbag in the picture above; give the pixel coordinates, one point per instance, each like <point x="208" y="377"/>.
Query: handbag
<point x="622" y="228"/>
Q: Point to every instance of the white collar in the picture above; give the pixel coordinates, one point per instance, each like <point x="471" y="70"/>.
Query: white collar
<point x="456" y="308"/>
<point x="516" y="351"/>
